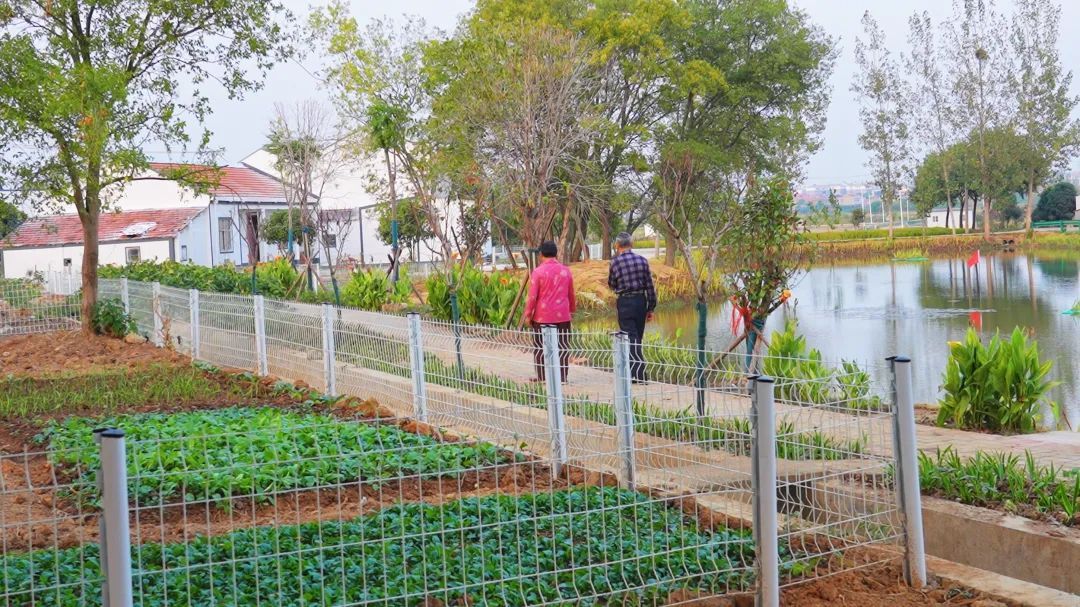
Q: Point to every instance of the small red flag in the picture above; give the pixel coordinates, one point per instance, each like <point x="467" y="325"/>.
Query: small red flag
<point x="974" y="259"/>
<point x="975" y="317"/>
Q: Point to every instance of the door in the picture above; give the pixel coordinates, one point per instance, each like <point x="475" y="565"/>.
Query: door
<point x="252" y="236"/>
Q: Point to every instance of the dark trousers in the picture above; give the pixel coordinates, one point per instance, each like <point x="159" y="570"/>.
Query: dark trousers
<point x="632" y="312"/>
<point x="564" y="349"/>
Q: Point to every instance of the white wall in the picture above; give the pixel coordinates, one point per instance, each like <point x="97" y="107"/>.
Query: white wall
<point x="19" y="263"/>
<point x="154" y="194"/>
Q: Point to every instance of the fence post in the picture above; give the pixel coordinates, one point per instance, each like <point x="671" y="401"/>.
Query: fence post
<point x="260" y="334"/>
<point x="329" y="350"/>
<point x="906" y="452"/>
<point x="416" y="360"/>
<point x="455" y="317"/>
<point x="158" y="338"/>
<point x="193" y="306"/>
<point x="624" y="405"/>
<point x="763" y="478"/>
<point x="553" y="375"/>
<point x="124" y="295"/>
<point x="116" y="539"/>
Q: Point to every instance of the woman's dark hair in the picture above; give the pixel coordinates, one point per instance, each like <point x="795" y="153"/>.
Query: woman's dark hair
<point x="548" y="248"/>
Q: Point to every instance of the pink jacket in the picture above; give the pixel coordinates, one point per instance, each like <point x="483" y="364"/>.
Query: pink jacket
<point x="551" y="294"/>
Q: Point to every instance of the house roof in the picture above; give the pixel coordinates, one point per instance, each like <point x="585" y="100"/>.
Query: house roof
<point x="234" y="183"/>
<point x="147" y="224"/>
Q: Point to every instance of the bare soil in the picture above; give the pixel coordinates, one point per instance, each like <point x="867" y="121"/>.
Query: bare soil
<point x="74" y="351"/>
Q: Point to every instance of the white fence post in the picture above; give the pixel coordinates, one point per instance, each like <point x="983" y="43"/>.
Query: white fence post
<point x="763" y="462"/>
<point x="624" y="405"/>
<point x="116" y="540"/>
<point x="329" y="350"/>
<point x="416" y="360"/>
<point x="909" y="493"/>
<point x="124" y="295"/>
<point x="260" y="334"/>
<point x="557" y="421"/>
<point x="193" y="306"/>
<point x="158" y="338"/>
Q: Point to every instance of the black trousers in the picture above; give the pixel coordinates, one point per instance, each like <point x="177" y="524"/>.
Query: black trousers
<point x="632" y="311"/>
<point x="564" y="349"/>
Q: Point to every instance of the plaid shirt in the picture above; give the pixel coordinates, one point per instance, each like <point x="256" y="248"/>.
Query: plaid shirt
<point x="630" y="272"/>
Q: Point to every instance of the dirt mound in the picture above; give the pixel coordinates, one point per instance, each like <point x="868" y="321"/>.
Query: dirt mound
<point x="48" y="353"/>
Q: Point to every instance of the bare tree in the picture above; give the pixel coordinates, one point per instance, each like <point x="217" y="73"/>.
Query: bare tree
<point x="883" y="111"/>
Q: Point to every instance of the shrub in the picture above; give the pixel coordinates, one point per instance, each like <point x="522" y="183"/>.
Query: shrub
<point x="1000" y="386"/>
<point x="879" y="233"/>
<point x="19" y="292"/>
<point x="371" y="289"/>
<point x="109" y="318"/>
<point x="1056" y="202"/>
<point x="277" y="278"/>
<point x="483" y="298"/>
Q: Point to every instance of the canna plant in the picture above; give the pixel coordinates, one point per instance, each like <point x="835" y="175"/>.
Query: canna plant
<point x="1000" y="386"/>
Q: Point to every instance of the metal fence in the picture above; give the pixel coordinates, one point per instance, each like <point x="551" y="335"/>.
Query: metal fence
<point x="40" y="303"/>
<point x="485" y="487"/>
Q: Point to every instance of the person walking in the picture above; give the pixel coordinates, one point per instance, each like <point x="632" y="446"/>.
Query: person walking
<point x="630" y="277"/>
<point x="551" y="301"/>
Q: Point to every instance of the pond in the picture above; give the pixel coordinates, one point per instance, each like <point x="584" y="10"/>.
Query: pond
<point x="868" y="312"/>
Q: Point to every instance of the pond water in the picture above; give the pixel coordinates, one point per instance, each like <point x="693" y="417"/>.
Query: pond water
<point x="868" y="312"/>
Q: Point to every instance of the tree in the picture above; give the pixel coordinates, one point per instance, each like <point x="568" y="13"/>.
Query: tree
<point x="935" y="111"/>
<point x="858" y="216"/>
<point x="827" y="213"/>
<point x="11" y="217"/>
<point x="84" y="86"/>
<point x="883" y="112"/>
<point x="278" y="228"/>
<point x="980" y="66"/>
<point x="412" y="222"/>
<point x="1057" y="202"/>
<point x="1043" y="103"/>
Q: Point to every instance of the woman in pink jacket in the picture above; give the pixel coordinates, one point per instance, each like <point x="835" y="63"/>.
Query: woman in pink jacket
<point x="551" y="301"/>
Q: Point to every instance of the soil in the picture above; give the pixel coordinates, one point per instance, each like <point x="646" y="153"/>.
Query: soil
<point x="74" y="351"/>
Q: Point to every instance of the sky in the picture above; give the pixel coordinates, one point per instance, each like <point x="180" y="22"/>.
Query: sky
<point x="240" y="127"/>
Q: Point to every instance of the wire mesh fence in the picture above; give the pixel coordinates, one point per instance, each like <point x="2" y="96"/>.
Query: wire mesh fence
<point x="37" y="304"/>
<point x="519" y="468"/>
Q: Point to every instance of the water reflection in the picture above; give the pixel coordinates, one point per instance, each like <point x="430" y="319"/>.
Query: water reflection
<point x="866" y="313"/>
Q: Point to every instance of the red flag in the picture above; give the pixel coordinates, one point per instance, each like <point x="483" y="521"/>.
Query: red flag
<point x="975" y="317"/>
<point x="974" y="259"/>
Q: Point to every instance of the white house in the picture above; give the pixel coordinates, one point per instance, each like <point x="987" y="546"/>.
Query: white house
<point x="55" y="243"/>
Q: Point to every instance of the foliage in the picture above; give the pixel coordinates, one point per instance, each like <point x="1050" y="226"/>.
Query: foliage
<point x="85" y="85"/>
<point x="1057" y="202"/>
<point x="215" y="455"/>
<point x="912" y="253"/>
<point x="538" y="548"/>
<point x="827" y="213"/>
<point x="104" y="390"/>
<point x="10" y="218"/>
<point x="371" y="289"/>
<point x="1000" y="386"/>
<point x="483" y="298"/>
<point x="803" y="378"/>
<point x="858" y="216"/>
<point x="880" y="234"/>
<point x="20" y="292"/>
<point x="277" y="278"/>
<point x="275" y="229"/>
<point x="413" y="225"/>
<point x="111" y="319"/>
<point x="1003" y="481"/>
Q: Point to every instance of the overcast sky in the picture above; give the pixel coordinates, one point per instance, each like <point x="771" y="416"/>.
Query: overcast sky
<point x="240" y="126"/>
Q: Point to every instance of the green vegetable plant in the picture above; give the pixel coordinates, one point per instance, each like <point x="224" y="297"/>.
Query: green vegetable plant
<point x="483" y="298"/>
<point x="240" y="451"/>
<point x="370" y="289"/>
<point x="111" y="319"/>
<point x="1000" y="386"/>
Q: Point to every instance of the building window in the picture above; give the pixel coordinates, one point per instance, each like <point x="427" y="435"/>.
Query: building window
<point x="132" y="254"/>
<point x="183" y="252"/>
<point x="225" y="234"/>
<point x="67" y="262"/>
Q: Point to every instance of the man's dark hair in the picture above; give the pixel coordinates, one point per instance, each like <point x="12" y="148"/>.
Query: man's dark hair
<point x="548" y="248"/>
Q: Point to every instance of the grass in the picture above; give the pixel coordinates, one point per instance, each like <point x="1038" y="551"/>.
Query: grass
<point x="563" y="547"/>
<point x="104" y="390"/>
<point x="879" y="233"/>
<point x="257" y="452"/>
<point x="913" y="254"/>
<point x="1003" y="481"/>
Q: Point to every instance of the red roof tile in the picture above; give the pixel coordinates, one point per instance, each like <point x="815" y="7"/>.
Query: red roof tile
<point x="67" y="229"/>
<point x="226" y="182"/>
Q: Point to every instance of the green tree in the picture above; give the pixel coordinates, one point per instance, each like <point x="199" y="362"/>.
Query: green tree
<point x="1056" y="202"/>
<point x="412" y="222"/>
<point x="858" y="216"/>
<point x="1043" y="103"/>
<point x="11" y="217"/>
<point x="278" y="227"/>
<point x="827" y="213"/>
<point x="884" y="107"/>
<point x="85" y="85"/>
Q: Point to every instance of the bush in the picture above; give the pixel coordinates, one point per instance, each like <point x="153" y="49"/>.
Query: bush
<point x="1057" y="202"/>
<point x="109" y="318"/>
<point x="371" y="290"/>
<point x="882" y="233"/>
<point x="19" y="292"/>
<point x="483" y="298"/>
<point x="1000" y="386"/>
<point x="276" y="278"/>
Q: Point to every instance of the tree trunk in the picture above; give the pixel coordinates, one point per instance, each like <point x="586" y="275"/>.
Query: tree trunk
<point x="566" y="237"/>
<point x="889" y="204"/>
<point x="605" y="234"/>
<point x="1030" y="205"/>
<point x="670" y="251"/>
<point x="89" y="267"/>
<point x="986" y="217"/>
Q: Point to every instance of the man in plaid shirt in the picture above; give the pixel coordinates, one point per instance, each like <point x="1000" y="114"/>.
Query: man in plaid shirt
<point x="631" y="279"/>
